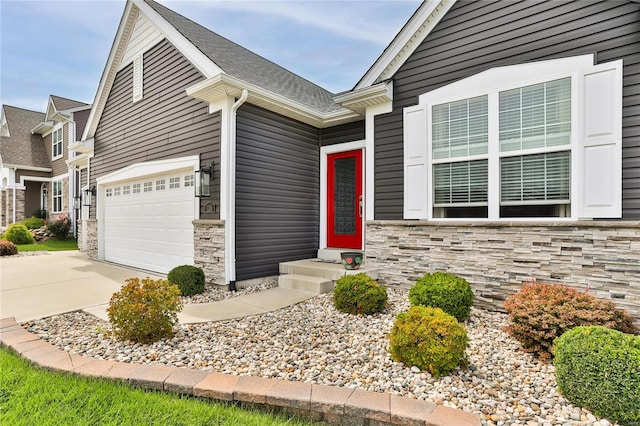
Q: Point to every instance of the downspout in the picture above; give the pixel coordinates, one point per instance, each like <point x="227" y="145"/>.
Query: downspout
<point x="231" y="191"/>
<point x="14" y="196"/>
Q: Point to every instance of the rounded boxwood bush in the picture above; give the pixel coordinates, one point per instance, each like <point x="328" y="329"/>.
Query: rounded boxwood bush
<point x="541" y="312"/>
<point x="17" y="233"/>
<point x="7" y="248"/>
<point x="599" y="369"/>
<point x="33" y="222"/>
<point x="188" y="278"/>
<point x="429" y="339"/>
<point x="443" y="290"/>
<point x="144" y="310"/>
<point x="359" y="294"/>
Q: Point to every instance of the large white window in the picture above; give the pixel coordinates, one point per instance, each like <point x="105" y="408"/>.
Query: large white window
<point x="56" y="144"/>
<point x="539" y="140"/>
<point x="56" y="195"/>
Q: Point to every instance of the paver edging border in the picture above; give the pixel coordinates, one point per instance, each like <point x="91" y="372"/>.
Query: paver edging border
<point x="311" y="401"/>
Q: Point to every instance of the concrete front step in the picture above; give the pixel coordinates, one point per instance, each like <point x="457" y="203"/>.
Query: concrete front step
<point x="317" y="268"/>
<point x="316" y="285"/>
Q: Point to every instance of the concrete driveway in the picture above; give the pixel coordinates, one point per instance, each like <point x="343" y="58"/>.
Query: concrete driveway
<point x="56" y="282"/>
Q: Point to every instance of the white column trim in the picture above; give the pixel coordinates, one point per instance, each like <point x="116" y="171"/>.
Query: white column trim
<point x="324" y="151"/>
<point x="370" y="159"/>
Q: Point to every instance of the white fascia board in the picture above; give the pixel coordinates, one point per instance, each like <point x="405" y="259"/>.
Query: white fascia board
<point x="218" y="87"/>
<point x="43" y="128"/>
<point x="406" y="41"/>
<point x="29" y="168"/>
<point x="85" y="146"/>
<point x="81" y="161"/>
<point x="150" y="168"/>
<point x="361" y="99"/>
<point x="76" y="109"/>
<point x="110" y="70"/>
<point x="192" y="53"/>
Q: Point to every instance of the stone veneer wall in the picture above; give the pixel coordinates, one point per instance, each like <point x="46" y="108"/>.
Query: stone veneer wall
<point x="90" y="226"/>
<point x="497" y="257"/>
<point x="208" y="247"/>
<point x="6" y="198"/>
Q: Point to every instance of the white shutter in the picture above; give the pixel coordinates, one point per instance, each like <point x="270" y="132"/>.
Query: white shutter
<point x="415" y="162"/>
<point x="600" y="154"/>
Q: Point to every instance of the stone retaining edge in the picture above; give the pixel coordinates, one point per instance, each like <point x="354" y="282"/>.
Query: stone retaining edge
<point x="336" y="405"/>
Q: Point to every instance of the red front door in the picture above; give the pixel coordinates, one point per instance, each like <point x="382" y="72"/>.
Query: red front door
<point x="344" y="200"/>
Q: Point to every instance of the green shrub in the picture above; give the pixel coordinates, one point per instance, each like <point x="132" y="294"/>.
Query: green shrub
<point x="144" y="310"/>
<point x="17" y="233"/>
<point x="443" y="290"/>
<point x="7" y="248"/>
<point x="599" y="369"/>
<point x="430" y="339"/>
<point x="33" y="222"/>
<point x="359" y="294"/>
<point x="188" y="278"/>
<point x="541" y="312"/>
<point x="60" y="227"/>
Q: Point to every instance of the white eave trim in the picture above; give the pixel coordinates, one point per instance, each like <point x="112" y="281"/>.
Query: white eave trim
<point x="29" y="168"/>
<point x="359" y="100"/>
<point x="85" y="146"/>
<point x="150" y="168"/>
<point x="43" y="127"/>
<point x="406" y="42"/>
<point x="79" y="160"/>
<point x="216" y="88"/>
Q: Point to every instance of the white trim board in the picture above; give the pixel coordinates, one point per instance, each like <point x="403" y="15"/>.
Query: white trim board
<point x="332" y="149"/>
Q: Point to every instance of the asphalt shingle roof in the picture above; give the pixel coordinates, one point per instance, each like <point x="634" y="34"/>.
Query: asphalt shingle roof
<point x="21" y="147"/>
<point x="241" y="63"/>
<point x="65" y="103"/>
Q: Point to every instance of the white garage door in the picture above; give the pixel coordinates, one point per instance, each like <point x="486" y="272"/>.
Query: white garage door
<point x="148" y="222"/>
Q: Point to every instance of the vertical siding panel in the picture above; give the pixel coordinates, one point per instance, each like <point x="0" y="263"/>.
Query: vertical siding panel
<point x="277" y="191"/>
<point x="166" y="123"/>
<point x="476" y="36"/>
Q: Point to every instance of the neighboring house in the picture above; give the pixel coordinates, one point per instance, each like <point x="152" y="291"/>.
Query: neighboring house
<point x="39" y="176"/>
<point x="491" y="139"/>
<point x="24" y="165"/>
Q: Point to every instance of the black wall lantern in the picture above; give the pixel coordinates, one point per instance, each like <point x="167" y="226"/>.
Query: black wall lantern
<point x="88" y="194"/>
<point x="203" y="181"/>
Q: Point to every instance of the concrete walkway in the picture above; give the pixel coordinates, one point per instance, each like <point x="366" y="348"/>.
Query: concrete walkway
<point x="39" y="286"/>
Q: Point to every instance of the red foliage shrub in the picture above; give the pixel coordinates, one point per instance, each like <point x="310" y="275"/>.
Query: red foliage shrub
<point x="541" y="312"/>
<point x="7" y="248"/>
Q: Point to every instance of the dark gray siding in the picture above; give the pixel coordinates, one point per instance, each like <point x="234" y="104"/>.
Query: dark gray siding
<point x="166" y="123"/>
<point x="277" y="192"/>
<point x="476" y="36"/>
<point x="344" y="133"/>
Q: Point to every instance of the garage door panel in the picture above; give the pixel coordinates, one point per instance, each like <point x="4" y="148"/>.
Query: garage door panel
<point x="150" y="230"/>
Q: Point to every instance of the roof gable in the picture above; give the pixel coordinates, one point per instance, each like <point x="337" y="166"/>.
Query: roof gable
<point x="22" y="148"/>
<point x="421" y="23"/>
<point x="144" y="21"/>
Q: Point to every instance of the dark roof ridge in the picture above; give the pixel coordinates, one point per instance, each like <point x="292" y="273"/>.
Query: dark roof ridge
<point x="24" y="109"/>
<point x="240" y="62"/>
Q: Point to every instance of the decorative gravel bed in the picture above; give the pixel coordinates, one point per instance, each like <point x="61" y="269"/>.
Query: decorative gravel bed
<point x="313" y="342"/>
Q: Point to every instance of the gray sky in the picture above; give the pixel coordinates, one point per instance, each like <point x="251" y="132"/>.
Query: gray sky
<point x="61" y="47"/>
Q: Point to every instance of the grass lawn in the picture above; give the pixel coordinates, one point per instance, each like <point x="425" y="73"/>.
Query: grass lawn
<point x="49" y="245"/>
<point x="30" y="396"/>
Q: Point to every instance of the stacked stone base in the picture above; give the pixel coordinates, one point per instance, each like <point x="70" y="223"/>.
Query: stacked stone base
<point x="208" y="247"/>
<point x="498" y="257"/>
